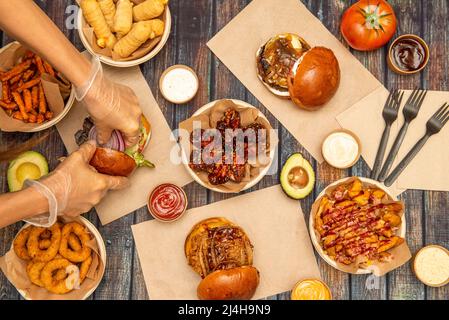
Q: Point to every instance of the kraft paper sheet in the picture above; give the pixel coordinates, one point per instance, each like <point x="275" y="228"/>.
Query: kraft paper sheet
<point x="428" y="170"/>
<point x="120" y="203"/>
<point x="273" y="222"/>
<point x="263" y="19"/>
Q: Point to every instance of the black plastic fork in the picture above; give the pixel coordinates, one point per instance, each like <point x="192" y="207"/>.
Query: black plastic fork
<point x="390" y="114"/>
<point x="433" y="126"/>
<point x="410" y="111"/>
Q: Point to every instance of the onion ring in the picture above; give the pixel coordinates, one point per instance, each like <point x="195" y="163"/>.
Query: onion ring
<point x="84" y="237"/>
<point x="20" y="242"/>
<point x="46" y="254"/>
<point x="49" y="281"/>
<point x="84" y="268"/>
<point x="34" y="270"/>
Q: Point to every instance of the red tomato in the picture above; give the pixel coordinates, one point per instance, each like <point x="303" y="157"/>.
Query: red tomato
<point x="368" y="25"/>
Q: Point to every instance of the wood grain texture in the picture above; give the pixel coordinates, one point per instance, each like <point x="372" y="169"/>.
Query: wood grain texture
<point x="194" y="23"/>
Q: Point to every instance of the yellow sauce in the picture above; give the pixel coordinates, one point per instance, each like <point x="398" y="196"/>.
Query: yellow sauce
<point x="431" y="266"/>
<point x="311" y="289"/>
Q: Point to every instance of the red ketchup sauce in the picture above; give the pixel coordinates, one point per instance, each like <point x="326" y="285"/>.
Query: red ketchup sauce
<point x="167" y="202"/>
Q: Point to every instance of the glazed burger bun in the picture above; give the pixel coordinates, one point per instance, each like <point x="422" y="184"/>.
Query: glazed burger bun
<point x="112" y="162"/>
<point x="232" y="284"/>
<point x="314" y="79"/>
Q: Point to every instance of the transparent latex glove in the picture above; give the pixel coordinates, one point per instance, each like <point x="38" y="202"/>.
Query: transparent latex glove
<point x="74" y="187"/>
<point x="111" y="106"/>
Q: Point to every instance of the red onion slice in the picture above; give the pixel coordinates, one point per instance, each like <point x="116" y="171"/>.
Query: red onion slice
<point x="116" y="142"/>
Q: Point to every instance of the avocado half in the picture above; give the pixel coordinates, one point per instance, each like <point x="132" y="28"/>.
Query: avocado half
<point x="29" y="165"/>
<point x="297" y="177"/>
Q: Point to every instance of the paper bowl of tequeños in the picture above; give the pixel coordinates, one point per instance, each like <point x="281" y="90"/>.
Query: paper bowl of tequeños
<point x="124" y="33"/>
<point x="227" y="165"/>
<point x="357" y="226"/>
<point x="34" y="96"/>
<point x="41" y="267"/>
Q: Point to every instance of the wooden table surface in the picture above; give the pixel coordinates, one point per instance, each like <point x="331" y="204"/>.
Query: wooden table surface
<point x="194" y="23"/>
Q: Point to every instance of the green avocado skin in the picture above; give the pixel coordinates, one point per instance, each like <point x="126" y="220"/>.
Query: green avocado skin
<point x="26" y="157"/>
<point x="297" y="160"/>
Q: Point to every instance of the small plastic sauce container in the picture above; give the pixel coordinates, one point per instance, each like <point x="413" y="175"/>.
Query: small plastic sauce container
<point x="341" y="149"/>
<point x="167" y="202"/>
<point x="311" y="289"/>
<point x="179" y="84"/>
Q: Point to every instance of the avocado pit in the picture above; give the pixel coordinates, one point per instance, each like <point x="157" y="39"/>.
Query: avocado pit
<point x="298" y="177"/>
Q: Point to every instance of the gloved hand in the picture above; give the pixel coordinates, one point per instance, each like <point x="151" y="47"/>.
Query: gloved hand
<point x="74" y="187"/>
<point x="111" y="106"/>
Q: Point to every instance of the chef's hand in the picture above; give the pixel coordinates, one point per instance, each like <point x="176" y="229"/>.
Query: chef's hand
<point x="75" y="185"/>
<point x="111" y="106"/>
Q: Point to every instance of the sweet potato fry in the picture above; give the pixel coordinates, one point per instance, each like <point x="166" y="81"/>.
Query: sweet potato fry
<point x="48" y="115"/>
<point x="42" y="100"/>
<point x="20" y="68"/>
<point x="29" y="84"/>
<point x="27" y="99"/>
<point x="28" y="75"/>
<point x="16" y="79"/>
<point x="40" y="118"/>
<point x="32" y="118"/>
<point x="49" y="69"/>
<point x="18" y="99"/>
<point x="8" y="106"/>
<point x="35" y="97"/>
<point x="39" y="64"/>
<point x="5" y="92"/>
<point x="17" y="115"/>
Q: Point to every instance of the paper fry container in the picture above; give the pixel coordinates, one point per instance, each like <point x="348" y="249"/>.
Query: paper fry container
<point x="254" y="180"/>
<point x="402" y="251"/>
<point x="101" y="265"/>
<point x="54" y="99"/>
<point x="82" y="26"/>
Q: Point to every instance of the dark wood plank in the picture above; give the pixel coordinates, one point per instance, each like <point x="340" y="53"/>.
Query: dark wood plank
<point x="403" y="283"/>
<point x="223" y="84"/>
<point x="436" y="218"/>
<point x="329" y="13"/>
<point x="368" y="287"/>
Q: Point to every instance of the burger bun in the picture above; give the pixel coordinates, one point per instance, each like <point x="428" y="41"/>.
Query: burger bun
<point x="314" y="79"/>
<point x="231" y="284"/>
<point x="112" y="162"/>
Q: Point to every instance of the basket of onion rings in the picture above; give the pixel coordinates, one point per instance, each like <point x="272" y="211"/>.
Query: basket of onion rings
<point x="63" y="262"/>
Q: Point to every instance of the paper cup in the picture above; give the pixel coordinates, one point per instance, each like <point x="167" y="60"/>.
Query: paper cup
<point x="101" y="247"/>
<point x="261" y="174"/>
<point x="125" y="64"/>
<point x="68" y="105"/>
<point x="315" y="242"/>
